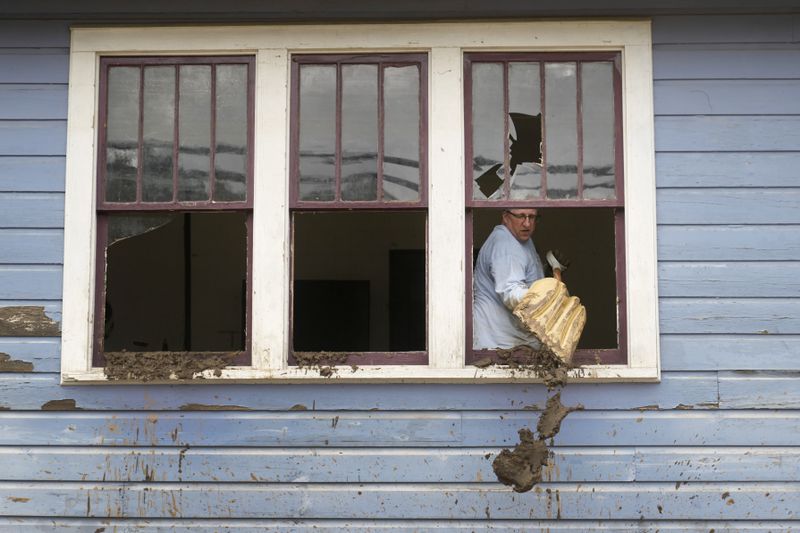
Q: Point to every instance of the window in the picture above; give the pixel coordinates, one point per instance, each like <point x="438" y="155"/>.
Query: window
<point x="358" y="208"/>
<point x="544" y="130"/>
<point x="330" y="192"/>
<point x="174" y="206"/>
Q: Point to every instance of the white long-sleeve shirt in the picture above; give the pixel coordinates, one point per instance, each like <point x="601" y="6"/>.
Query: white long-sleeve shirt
<point x="505" y="269"/>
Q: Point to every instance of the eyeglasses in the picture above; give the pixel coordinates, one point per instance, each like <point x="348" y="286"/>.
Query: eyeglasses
<point x="525" y="218"/>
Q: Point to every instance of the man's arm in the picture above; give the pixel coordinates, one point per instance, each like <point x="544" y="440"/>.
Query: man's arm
<point x="509" y="279"/>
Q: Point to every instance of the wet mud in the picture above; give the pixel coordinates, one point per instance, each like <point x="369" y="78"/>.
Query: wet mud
<point x="162" y="366"/>
<point x="12" y="365"/>
<point x="521" y="467"/>
<point x="323" y="362"/>
<point x="66" y="404"/>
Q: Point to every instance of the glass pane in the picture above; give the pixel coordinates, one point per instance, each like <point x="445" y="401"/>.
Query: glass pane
<point x="525" y="130"/>
<point x="317" y="147"/>
<point x="401" y="177"/>
<point x="561" y="130"/>
<point x="194" y="132"/>
<point x="158" y="133"/>
<point x="230" y="157"/>
<point x="359" y="132"/>
<point x="122" y="134"/>
<point x="488" y="129"/>
<point x="597" y="101"/>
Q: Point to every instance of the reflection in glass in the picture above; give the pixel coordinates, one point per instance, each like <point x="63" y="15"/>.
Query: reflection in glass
<point x="317" y="146"/>
<point x="359" y="132"/>
<point x="230" y="153"/>
<point x="488" y="129"/>
<point x="561" y="135"/>
<point x="194" y="132"/>
<point x="401" y="174"/>
<point x="597" y="101"/>
<point x="158" y="129"/>
<point x="122" y="134"/>
<point x="524" y="99"/>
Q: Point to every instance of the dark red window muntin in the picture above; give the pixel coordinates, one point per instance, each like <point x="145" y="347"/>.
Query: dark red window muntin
<point x="616" y="355"/>
<point x="105" y="208"/>
<point x="338" y="60"/>
<point x="505" y="59"/>
<point x="107" y="63"/>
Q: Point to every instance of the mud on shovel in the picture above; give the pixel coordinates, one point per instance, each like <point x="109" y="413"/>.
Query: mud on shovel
<point x="549" y="312"/>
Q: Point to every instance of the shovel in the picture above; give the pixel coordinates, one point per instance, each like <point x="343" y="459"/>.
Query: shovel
<point x="549" y="312"/>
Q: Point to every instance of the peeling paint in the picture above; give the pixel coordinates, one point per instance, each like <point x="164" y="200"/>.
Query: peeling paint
<point x="65" y="404"/>
<point x="16" y="499"/>
<point x="298" y="407"/>
<point x="27" y="321"/>
<point x="12" y="365"/>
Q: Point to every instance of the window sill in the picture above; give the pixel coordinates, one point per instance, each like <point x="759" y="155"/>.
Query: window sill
<point x="381" y="374"/>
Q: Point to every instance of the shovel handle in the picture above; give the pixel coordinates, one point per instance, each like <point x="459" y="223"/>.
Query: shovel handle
<point x="557" y="273"/>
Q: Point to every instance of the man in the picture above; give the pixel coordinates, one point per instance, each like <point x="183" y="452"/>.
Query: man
<point x="507" y="265"/>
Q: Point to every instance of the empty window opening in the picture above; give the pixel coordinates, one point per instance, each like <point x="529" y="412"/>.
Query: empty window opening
<point x="175" y="282"/>
<point x="359" y="282"/>
<point x="586" y="236"/>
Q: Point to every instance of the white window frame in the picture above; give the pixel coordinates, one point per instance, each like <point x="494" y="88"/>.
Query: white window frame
<point x="446" y="44"/>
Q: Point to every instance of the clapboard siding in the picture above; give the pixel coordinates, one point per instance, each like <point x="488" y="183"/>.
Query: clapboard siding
<point x="735" y="61"/>
<point x="725" y="29"/>
<point x="693" y="500"/>
<point x="29" y="102"/>
<point x="393" y="465"/>
<point x="34" y="66"/>
<point x="734" y="316"/>
<point x="29" y="137"/>
<point x="727" y="97"/>
<point x="727" y="206"/>
<point x="683" y="427"/>
<point x="37" y="246"/>
<point x="759" y="390"/>
<point x="32" y="174"/>
<point x="33" y="34"/>
<point x="727" y="279"/>
<point x="727" y="133"/>
<point x="30" y="282"/>
<point x="730" y="352"/>
<point x="31" y="391"/>
<point x="727" y="169"/>
<point x="725" y="243"/>
<point x="31" y="210"/>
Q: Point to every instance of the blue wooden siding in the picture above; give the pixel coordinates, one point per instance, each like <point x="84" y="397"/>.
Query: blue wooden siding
<point x="715" y="445"/>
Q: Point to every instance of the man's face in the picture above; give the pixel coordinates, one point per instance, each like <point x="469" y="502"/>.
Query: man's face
<point x="520" y="222"/>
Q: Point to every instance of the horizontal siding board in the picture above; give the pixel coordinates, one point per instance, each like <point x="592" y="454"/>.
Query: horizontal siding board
<point x="737" y="279"/>
<point x="42" y="353"/>
<point x="727" y="133"/>
<point x="51" y="309"/>
<point x="732" y="169"/>
<point x="26" y="102"/>
<point x="31" y="391"/>
<point x="393" y="465"/>
<point x="314" y="465"/>
<point x="381" y="429"/>
<point x="32" y="174"/>
<point x="724" y="243"/>
<point x="727" y="97"/>
<point x="405" y="501"/>
<point x="727" y="61"/>
<point x="721" y="352"/>
<point x="34" y="66"/>
<point x="38" y="246"/>
<point x="724" y="29"/>
<point x="298" y="525"/>
<point x="728" y="206"/>
<point x="743" y="316"/>
<point x="24" y="137"/>
<point x="31" y="210"/>
<point x="33" y="33"/>
<point x="759" y="390"/>
<point x="30" y="282"/>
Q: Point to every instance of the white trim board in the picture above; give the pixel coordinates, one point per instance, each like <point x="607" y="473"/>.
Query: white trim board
<point x="445" y="43"/>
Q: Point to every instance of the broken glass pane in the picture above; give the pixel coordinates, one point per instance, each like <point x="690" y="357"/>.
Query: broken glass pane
<point x="158" y="132"/>
<point x="317" y="147"/>
<point x="124" y="226"/>
<point x="401" y="176"/>
<point x="597" y="101"/>
<point x="561" y="135"/>
<point x="194" y="132"/>
<point x="525" y="130"/>
<point x="488" y="129"/>
<point x="122" y="134"/>
<point x="359" y="132"/>
<point x="230" y="158"/>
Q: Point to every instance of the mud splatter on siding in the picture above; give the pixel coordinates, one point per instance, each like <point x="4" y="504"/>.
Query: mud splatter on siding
<point x="27" y="321"/>
<point x="207" y="407"/>
<point x="66" y="404"/>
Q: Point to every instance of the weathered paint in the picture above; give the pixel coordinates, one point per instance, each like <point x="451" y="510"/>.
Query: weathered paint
<point x="713" y="446"/>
